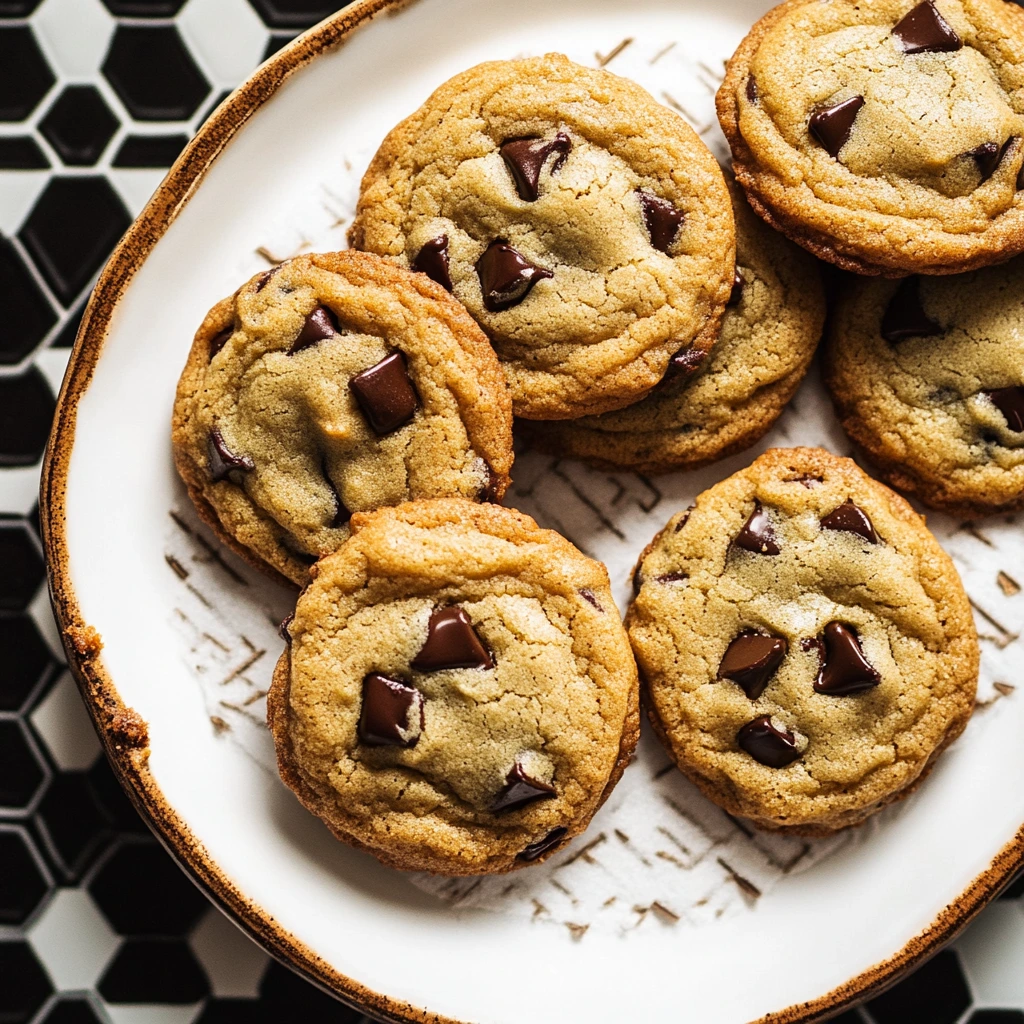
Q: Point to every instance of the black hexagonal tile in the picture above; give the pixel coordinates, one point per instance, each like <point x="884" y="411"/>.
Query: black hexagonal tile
<point x="17" y="8"/>
<point x="73" y="823"/>
<point x="22" y="883"/>
<point x="71" y="1011"/>
<point x="294" y="13"/>
<point x="26" y="658"/>
<point x="935" y="993"/>
<point x="144" y="8"/>
<point x="1015" y="889"/>
<point x="21" y="564"/>
<point x="21" y="153"/>
<point x="150" y="150"/>
<point x="26" y="412"/>
<point x="996" y="1017"/>
<point x="850" y="1017"/>
<point x="26" y="986"/>
<point x="27" y="312"/>
<point x="141" y="891"/>
<point x="234" y="1011"/>
<point x="285" y="995"/>
<point x="68" y="333"/>
<point x="25" y="77"/>
<point x="154" y="74"/>
<point x="154" y="971"/>
<point x="79" y="125"/>
<point x="21" y="774"/>
<point x="71" y="230"/>
<point x="114" y="804"/>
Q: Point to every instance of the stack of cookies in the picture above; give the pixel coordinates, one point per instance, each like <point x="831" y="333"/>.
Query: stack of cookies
<point x="543" y="241"/>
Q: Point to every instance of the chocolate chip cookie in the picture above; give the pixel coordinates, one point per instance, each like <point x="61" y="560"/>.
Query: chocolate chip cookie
<point x="458" y="694"/>
<point x="585" y="226"/>
<point x="928" y="377"/>
<point x="730" y="400"/>
<point x="807" y="647"/>
<point x="333" y="384"/>
<point x="883" y="135"/>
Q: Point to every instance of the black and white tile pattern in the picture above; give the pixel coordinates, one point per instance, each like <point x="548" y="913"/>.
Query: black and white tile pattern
<point x="97" y="925"/>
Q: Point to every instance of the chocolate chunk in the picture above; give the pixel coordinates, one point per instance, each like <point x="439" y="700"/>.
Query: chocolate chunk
<point x="1020" y="178"/>
<point x="758" y="534"/>
<point x="810" y="482"/>
<point x="218" y="341"/>
<point x="222" y="461"/>
<point x="737" y="289"/>
<point x="924" y="30"/>
<point x="525" y="160"/>
<point x="766" y="744"/>
<point x="392" y="714"/>
<point x="506" y="277"/>
<point x="282" y="630"/>
<point x="451" y="642"/>
<point x="261" y="281"/>
<point x="831" y="126"/>
<point x="341" y="514"/>
<point x="987" y="157"/>
<point x="752" y="89"/>
<point x="1010" y="402"/>
<point x="591" y="598"/>
<point x="850" y="518"/>
<point x="638" y="580"/>
<point x="520" y="789"/>
<point x="320" y="325"/>
<point x="905" y="317"/>
<point x="751" y="660"/>
<point x="672" y="577"/>
<point x="685" y="519"/>
<point x="539" y="848"/>
<point x="432" y="260"/>
<point x="663" y="220"/>
<point x="489" y="491"/>
<point x="386" y="394"/>
<point x="844" y="668"/>
<point x="685" y="363"/>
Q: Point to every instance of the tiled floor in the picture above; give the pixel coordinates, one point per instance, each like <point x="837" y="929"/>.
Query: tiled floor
<point x="97" y="97"/>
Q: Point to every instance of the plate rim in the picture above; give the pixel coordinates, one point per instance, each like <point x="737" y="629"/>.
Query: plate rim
<point x="123" y="733"/>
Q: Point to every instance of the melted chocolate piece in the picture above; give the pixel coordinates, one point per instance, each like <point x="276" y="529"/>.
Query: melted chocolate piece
<point x="223" y="461"/>
<point x="451" y="642"/>
<point x="924" y="30"/>
<point x="810" y="482"/>
<point x="282" y="630"/>
<point x="489" y="491"/>
<point x="591" y="598"/>
<point x="386" y="394"/>
<point x="525" y="160"/>
<point x="844" y="670"/>
<point x="751" y="660"/>
<point x="432" y="260"/>
<point x="320" y="325"/>
<point x="520" y="789"/>
<point x="218" y="341"/>
<point x="1010" y="402"/>
<point x="686" y="518"/>
<point x="905" y="317"/>
<point x="392" y="714"/>
<point x="987" y="157"/>
<point x="685" y="363"/>
<point x="261" y="281"/>
<point x="831" y="126"/>
<point x="341" y="514"/>
<point x="1020" y="178"/>
<point x="506" y="277"/>
<point x="850" y="518"/>
<point x="758" y="534"/>
<point x="539" y="848"/>
<point x="772" y="747"/>
<point x="672" y="577"/>
<point x="737" y="289"/>
<point x="638" y="580"/>
<point x="663" y="220"/>
<point x="752" y="89"/>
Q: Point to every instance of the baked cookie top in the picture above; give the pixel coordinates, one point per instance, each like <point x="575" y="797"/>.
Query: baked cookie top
<point x="884" y="136"/>
<point x="928" y="376"/>
<point x="333" y="384"/>
<point x="459" y="693"/>
<point x="806" y="644"/>
<point x="696" y="415"/>
<point x="584" y="225"/>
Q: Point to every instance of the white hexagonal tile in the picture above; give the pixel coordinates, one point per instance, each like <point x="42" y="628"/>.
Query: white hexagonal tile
<point x="74" y="34"/>
<point x="152" y="1013"/>
<point x="227" y="36"/>
<point x="234" y="963"/>
<point x="992" y="952"/>
<point x="73" y="940"/>
<point x="42" y="611"/>
<point x="65" y="727"/>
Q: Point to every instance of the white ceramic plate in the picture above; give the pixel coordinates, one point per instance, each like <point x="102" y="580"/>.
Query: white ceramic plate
<point x="188" y="639"/>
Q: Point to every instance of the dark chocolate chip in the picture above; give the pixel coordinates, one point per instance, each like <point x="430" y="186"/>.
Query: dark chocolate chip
<point x="520" y="789"/>
<point x="1010" y="402"/>
<point x="282" y="630"/>
<point x="685" y="519"/>
<point x="672" y="577"/>
<point x="591" y="598"/>
<point x="261" y="281"/>
<point x="1020" y="178"/>
<point x="844" y="669"/>
<point x="987" y="157"/>
<point x="924" y="30"/>
<point x="320" y="325"/>
<point x="772" y="747"/>
<point x="905" y="317"/>
<point x="506" y="277"/>
<point x="392" y="714"/>
<point x="432" y="260"/>
<point x="525" y="160"/>
<point x="810" y="482"/>
<point x="663" y="220"/>
<point x="489" y="491"/>
<point x="752" y="89"/>
<point x="222" y="461"/>
<point x="638" y="580"/>
<point x="386" y="394"/>
<point x="341" y="514"/>
<point x="451" y="642"/>
<point x="737" y="289"/>
<point x="831" y="126"/>
<point x="751" y="660"/>
<point x="850" y="518"/>
<point x="685" y="363"/>
<point x="539" y="848"/>
<point x="218" y="341"/>
<point x="758" y="534"/>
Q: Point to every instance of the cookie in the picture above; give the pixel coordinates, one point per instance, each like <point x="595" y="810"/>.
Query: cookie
<point x="334" y="384"/>
<point x="806" y="646"/>
<point x="927" y="377"/>
<point x="585" y="226"/>
<point x="883" y="135"/>
<point x="458" y="694"/>
<point x="728" y="402"/>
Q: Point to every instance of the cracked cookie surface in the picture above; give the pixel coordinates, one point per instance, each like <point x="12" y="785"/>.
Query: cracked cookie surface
<point x="584" y="225"/>
<point x="883" y="135"/>
<point x="332" y="384"/>
<point x="807" y="647"/>
<point x="928" y="377"/>
<point x="509" y="706"/>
